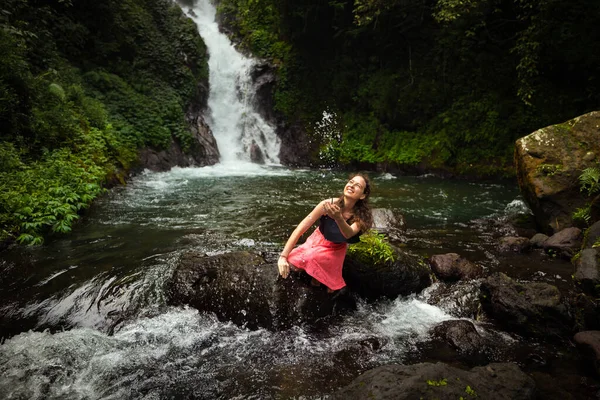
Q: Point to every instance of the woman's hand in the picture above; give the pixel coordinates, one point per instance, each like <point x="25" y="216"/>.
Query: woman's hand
<point x="332" y="210"/>
<point x="284" y="266"/>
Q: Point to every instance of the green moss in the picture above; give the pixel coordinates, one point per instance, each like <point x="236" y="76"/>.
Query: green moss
<point x="373" y="248"/>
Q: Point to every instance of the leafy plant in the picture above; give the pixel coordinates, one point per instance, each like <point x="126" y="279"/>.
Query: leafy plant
<point x="441" y="382"/>
<point x="590" y="180"/>
<point x="373" y="247"/>
<point x="590" y="184"/>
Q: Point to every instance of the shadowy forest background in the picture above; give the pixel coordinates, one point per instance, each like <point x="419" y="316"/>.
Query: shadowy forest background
<point x="439" y="84"/>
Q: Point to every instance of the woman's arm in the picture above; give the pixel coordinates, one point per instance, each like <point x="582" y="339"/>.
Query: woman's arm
<point x="303" y="226"/>
<point x="334" y="212"/>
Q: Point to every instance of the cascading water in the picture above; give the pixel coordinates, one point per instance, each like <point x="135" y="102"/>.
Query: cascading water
<point x="241" y="133"/>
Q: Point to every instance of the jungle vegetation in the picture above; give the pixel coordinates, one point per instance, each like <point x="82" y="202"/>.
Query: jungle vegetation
<point x="441" y="84"/>
<point x="84" y="85"/>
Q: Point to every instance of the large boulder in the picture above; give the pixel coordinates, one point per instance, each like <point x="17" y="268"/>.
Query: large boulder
<point x="496" y="381"/>
<point x="531" y="308"/>
<point x="549" y="162"/>
<point x="405" y="275"/>
<point x="246" y="289"/>
<point x="592" y="235"/>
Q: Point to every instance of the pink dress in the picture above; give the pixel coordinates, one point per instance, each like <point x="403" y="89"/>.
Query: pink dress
<point x="321" y="259"/>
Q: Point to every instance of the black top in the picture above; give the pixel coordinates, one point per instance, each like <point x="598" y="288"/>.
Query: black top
<point x="331" y="231"/>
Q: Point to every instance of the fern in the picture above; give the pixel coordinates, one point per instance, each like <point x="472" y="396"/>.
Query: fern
<point x="590" y="180"/>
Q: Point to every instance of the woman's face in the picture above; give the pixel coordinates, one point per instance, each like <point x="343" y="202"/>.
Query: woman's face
<point x="355" y="188"/>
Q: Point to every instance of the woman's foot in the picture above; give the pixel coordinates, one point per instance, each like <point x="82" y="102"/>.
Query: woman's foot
<point x="330" y="290"/>
<point x="315" y="282"/>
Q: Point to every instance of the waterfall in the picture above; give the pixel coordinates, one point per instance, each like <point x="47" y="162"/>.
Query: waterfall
<point x="241" y="133"/>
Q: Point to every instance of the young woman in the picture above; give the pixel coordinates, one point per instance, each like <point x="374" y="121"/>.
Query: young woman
<point x="341" y="221"/>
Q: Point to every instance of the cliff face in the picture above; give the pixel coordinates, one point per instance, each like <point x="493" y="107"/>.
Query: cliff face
<point x="549" y="162"/>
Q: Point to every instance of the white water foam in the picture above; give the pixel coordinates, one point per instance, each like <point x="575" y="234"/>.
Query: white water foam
<point x="235" y="123"/>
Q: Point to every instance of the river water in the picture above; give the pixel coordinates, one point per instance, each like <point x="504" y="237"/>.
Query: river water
<point x="84" y="316"/>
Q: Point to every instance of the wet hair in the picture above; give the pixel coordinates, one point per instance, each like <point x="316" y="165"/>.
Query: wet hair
<point x="361" y="213"/>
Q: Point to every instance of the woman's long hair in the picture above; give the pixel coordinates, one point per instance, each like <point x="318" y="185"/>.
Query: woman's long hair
<point x="361" y="213"/>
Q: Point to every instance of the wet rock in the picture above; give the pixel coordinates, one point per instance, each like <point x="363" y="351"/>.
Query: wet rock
<point x="459" y="340"/>
<point x="549" y="162"/>
<point x="514" y="244"/>
<point x="461" y="334"/>
<point x="244" y="288"/>
<point x="592" y="234"/>
<point x="587" y="271"/>
<point x="453" y="267"/>
<point x="497" y="381"/>
<point x="587" y="312"/>
<point x="256" y="154"/>
<point x="566" y="242"/>
<point x="538" y="240"/>
<point x="296" y="147"/>
<point x="408" y="274"/>
<point x="588" y="343"/>
<point x="524" y="224"/>
<point x="532" y="308"/>
<point x="459" y="299"/>
<point x="388" y="223"/>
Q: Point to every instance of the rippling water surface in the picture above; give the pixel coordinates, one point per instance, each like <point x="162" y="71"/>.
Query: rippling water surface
<point x="84" y="316"/>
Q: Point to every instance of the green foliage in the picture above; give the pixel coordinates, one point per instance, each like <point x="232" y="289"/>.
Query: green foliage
<point x="590" y="181"/>
<point x="82" y="87"/>
<point x="373" y="247"/>
<point x="441" y="382"/>
<point x="470" y="391"/>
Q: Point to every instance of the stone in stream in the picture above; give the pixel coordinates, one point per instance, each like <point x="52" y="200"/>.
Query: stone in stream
<point x="514" y="244"/>
<point x="406" y="275"/>
<point x="587" y="271"/>
<point x="453" y="267"/>
<point x="530" y="308"/>
<point x="538" y="240"/>
<point x="588" y="343"/>
<point x="459" y="340"/>
<point x="498" y="381"/>
<point x="548" y="164"/>
<point x="245" y="288"/>
<point x="387" y="222"/>
<point x="592" y="235"/>
<point x="565" y="243"/>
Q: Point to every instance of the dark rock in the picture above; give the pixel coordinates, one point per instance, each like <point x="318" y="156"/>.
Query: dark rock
<point x="592" y="234"/>
<point x="533" y="308"/>
<point x="587" y="272"/>
<point x="459" y="340"/>
<point x="203" y="150"/>
<point x="243" y="288"/>
<point x="587" y="312"/>
<point x="256" y="154"/>
<point x="549" y="162"/>
<point x="453" y="267"/>
<point x="566" y="242"/>
<point x="514" y="244"/>
<point x="296" y="148"/>
<point x="588" y="343"/>
<point x="408" y="274"/>
<point x="496" y="381"/>
<point x="523" y="224"/>
<point x="460" y="334"/>
<point x="538" y="240"/>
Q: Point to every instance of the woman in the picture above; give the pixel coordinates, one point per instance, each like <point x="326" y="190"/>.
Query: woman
<point x="341" y="221"/>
